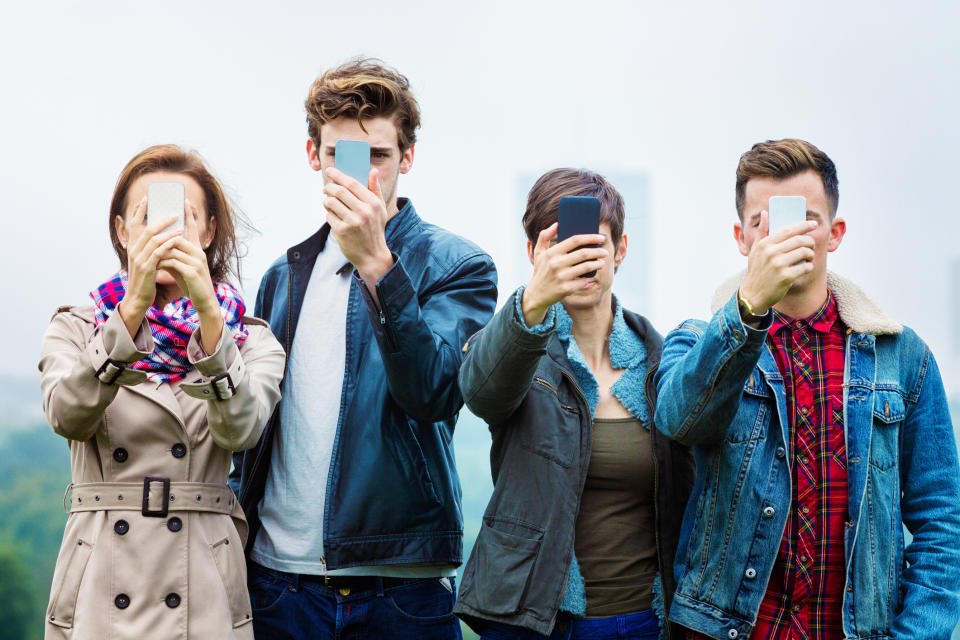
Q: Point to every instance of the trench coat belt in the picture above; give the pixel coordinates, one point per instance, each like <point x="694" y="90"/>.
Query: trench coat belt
<point x="128" y="496"/>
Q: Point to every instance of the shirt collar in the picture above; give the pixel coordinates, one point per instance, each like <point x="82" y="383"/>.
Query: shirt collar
<point x="822" y="320"/>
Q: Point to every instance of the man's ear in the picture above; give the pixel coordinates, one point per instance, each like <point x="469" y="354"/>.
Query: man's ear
<point x="313" y="155"/>
<point x="740" y="239"/>
<point x="406" y="159"/>
<point x="838" y="229"/>
<point x="621" y="251"/>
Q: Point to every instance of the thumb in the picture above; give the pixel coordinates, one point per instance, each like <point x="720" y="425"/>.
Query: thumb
<point x="543" y="240"/>
<point x="374" y="183"/>
<point x="764" y="229"/>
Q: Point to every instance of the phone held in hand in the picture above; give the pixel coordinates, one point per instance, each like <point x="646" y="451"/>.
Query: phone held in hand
<point x="165" y="199"/>
<point x="786" y="211"/>
<point x="353" y="158"/>
<point x="578" y="215"/>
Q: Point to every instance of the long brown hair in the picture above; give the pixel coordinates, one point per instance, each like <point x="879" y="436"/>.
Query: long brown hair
<point x="223" y="254"/>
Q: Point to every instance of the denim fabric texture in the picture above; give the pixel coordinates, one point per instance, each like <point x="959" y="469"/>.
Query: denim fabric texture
<point x="721" y="392"/>
<point x="288" y="608"/>
<point x="642" y="625"/>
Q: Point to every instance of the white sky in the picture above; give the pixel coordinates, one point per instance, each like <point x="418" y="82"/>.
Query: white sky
<point x="676" y="91"/>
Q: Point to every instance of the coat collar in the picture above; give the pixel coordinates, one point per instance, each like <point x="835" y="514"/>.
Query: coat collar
<point x="857" y="311"/>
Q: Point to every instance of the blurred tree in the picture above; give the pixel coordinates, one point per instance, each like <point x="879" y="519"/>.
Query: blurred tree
<point x="18" y="615"/>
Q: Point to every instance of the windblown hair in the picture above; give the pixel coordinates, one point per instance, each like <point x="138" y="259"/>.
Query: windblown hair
<point x="781" y="159"/>
<point x="543" y="202"/>
<point x="363" y="88"/>
<point x="223" y="254"/>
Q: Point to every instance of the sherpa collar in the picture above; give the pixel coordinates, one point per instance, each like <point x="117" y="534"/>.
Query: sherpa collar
<point x="857" y="311"/>
<point x="627" y="351"/>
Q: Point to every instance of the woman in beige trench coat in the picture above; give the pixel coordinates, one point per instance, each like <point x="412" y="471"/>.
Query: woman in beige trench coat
<point x="154" y="387"/>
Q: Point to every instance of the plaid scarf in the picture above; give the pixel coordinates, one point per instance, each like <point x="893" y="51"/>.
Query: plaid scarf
<point x="171" y="326"/>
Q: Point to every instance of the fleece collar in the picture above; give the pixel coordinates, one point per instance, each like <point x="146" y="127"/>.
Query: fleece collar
<point x="857" y="311"/>
<point x="627" y="351"/>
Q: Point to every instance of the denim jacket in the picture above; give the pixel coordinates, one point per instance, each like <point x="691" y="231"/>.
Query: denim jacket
<point x="393" y="494"/>
<point x="721" y="392"/>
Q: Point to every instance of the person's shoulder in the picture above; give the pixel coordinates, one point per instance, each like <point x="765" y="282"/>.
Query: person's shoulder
<point x="447" y="247"/>
<point x="74" y="314"/>
<point x="76" y="323"/>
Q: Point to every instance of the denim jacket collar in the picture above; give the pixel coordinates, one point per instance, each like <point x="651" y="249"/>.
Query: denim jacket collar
<point x="857" y="311"/>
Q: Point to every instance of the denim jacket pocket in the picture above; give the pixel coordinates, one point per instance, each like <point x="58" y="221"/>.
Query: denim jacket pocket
<point x="888" y="412"/>
<point x="755" y="411"/>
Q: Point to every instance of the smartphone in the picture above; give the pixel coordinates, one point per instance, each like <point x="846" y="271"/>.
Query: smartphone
<point x="786" y="211"/>
<point x="165" y="199"/>
<point x="578" y="215"/>
<point x="353" y="158"/>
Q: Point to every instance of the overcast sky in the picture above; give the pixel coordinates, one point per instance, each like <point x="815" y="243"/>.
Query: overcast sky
<point x="672" y="91"/>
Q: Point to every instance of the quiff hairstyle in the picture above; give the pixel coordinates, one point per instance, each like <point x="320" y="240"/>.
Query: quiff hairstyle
<point x="223" y="254"/>
<point x="363" y="88"/>
<point x="782" y="159"/>
<point x="543" y="202"/>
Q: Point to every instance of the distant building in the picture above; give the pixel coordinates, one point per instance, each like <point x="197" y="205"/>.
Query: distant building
<point x="634" y="282"/>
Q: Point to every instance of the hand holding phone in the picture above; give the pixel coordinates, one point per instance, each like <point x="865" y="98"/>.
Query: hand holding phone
<point x="165" y="199"/>
<point x="578" y="215"/>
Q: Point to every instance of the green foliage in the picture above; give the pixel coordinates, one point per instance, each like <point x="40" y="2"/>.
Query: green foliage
<point x="33" y="475"/>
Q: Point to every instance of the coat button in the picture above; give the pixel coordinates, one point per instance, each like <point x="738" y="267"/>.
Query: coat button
<point x="122" y="601"/>
<point x="120" y="454"/>
<point x="121" y="527"/>
<point x="174" y="524"/>
<point x="733" y="633"/>
<point x="768" y="512"/>
<point x="179" y="450"/>
<point x="781" y="453"/>
<point x="172" y="600"/>
<point x="751" y="573"/>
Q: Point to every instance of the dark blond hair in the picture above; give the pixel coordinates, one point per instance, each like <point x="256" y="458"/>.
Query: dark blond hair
<point x="781" y="159"/>
<point x="223" y="254"/>
<point x="543" y="202"/>
<point x="363" y="88"/>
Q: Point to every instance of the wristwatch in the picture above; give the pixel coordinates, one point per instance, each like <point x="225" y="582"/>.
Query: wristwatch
<point x="746" y="310"/>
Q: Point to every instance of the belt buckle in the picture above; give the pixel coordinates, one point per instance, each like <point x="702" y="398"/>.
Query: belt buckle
<point x="145" y="507"/>
<point x="232" y="390"/>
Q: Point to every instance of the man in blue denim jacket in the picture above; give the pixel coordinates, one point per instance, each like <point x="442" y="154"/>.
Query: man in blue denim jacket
<point x="725" y="388"/>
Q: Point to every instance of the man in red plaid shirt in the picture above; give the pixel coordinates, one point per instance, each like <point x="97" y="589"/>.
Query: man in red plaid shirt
<point x="820" y="428"/>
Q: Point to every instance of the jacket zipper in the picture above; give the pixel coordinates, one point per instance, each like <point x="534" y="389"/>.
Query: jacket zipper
<point x="384" y="322"/>
<point x="656" y="498"/>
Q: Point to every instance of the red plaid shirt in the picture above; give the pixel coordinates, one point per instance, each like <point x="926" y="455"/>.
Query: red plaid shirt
<point x="804" y="596"/>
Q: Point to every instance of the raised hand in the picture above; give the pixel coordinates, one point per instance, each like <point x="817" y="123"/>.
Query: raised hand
<point x="775" y="262"/>
<point x="557" y="271"/>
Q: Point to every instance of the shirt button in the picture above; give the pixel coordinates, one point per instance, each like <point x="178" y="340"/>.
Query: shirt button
<point x="120" y="454"/>
<point x="178" y="450"/>
<point x="805" y="509"/>
<point x="172" y="600"/>
<point x="174" y="524"/>
<point x="803" y="558"/>
<point x="751" y="573"/>
<point x="121" y="527"/>
<point x="122" y="601"/>
<point x="733" y="633"/>
<point x="781" y="453"/>
<point x="344" y="591"/>
<point x="768" y="512"/>
<point x="849" y="587"/>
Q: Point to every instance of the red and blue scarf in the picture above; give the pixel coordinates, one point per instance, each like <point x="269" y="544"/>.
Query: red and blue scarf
<point x="171" y="326"/>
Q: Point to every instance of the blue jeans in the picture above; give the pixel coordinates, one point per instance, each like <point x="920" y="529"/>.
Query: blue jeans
<point x="285" y="607"/>
<point x="642" y="625"/>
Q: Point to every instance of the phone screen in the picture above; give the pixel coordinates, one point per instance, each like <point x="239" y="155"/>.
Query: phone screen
<point x="786" y="211"/>
<point x="578" y="215"/>
<point x="165" y="199"/>
<point x="353" y="158"/>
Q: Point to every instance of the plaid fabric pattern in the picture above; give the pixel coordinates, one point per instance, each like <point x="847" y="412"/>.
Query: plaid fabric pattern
<point x="804" y="596"/>
<point x="171" y="326"/>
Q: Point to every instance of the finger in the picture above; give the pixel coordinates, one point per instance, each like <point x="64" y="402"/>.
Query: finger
<point x="175" y="269"/>
<point x="764" y="229"/>
<point x="191" y="225"/>
<point x="797" y="255"/>
<point x="799" y="269"/>
<point x="574" y="242"/>
<point x="185" y="255"/>
<point x="140" y="211"/>
<point x="158" y="253"/>
<point x="577" y="270"/>
<point x="337" y="226"/>
<point x="157" y="241"/>
<point x="373" y="183"/>
<point x="342" y="179"/>
<point x="580" y="255"/>
<point x="793" y="242"/>
<point x="544" y="239"/>
<point x="157" y="226"/>
<point x="342" y="194"/>
<point x="794" y="230"/>
<point x="343" y="213"/>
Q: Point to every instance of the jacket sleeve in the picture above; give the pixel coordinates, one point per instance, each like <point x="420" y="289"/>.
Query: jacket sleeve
<point x="420" y="334"/>
<point x="80" y="375"/>
<point x="930" y="480"/>
<point x="501" y="361"/>
<point x="241" y="390"/>
<point x="701" y="376"/>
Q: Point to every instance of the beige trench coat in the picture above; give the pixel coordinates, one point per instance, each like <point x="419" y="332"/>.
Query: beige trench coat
<point x="171" y="567"/>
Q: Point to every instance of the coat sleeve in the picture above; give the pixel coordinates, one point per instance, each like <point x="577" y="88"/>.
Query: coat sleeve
<point x="82" y="371"/>
<point x="501" y="361"/>
<point x="421" y="334"/>
<point x="241" y="389"/>
<point x="930" y="480"/>
<point x="701" y="376"/>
